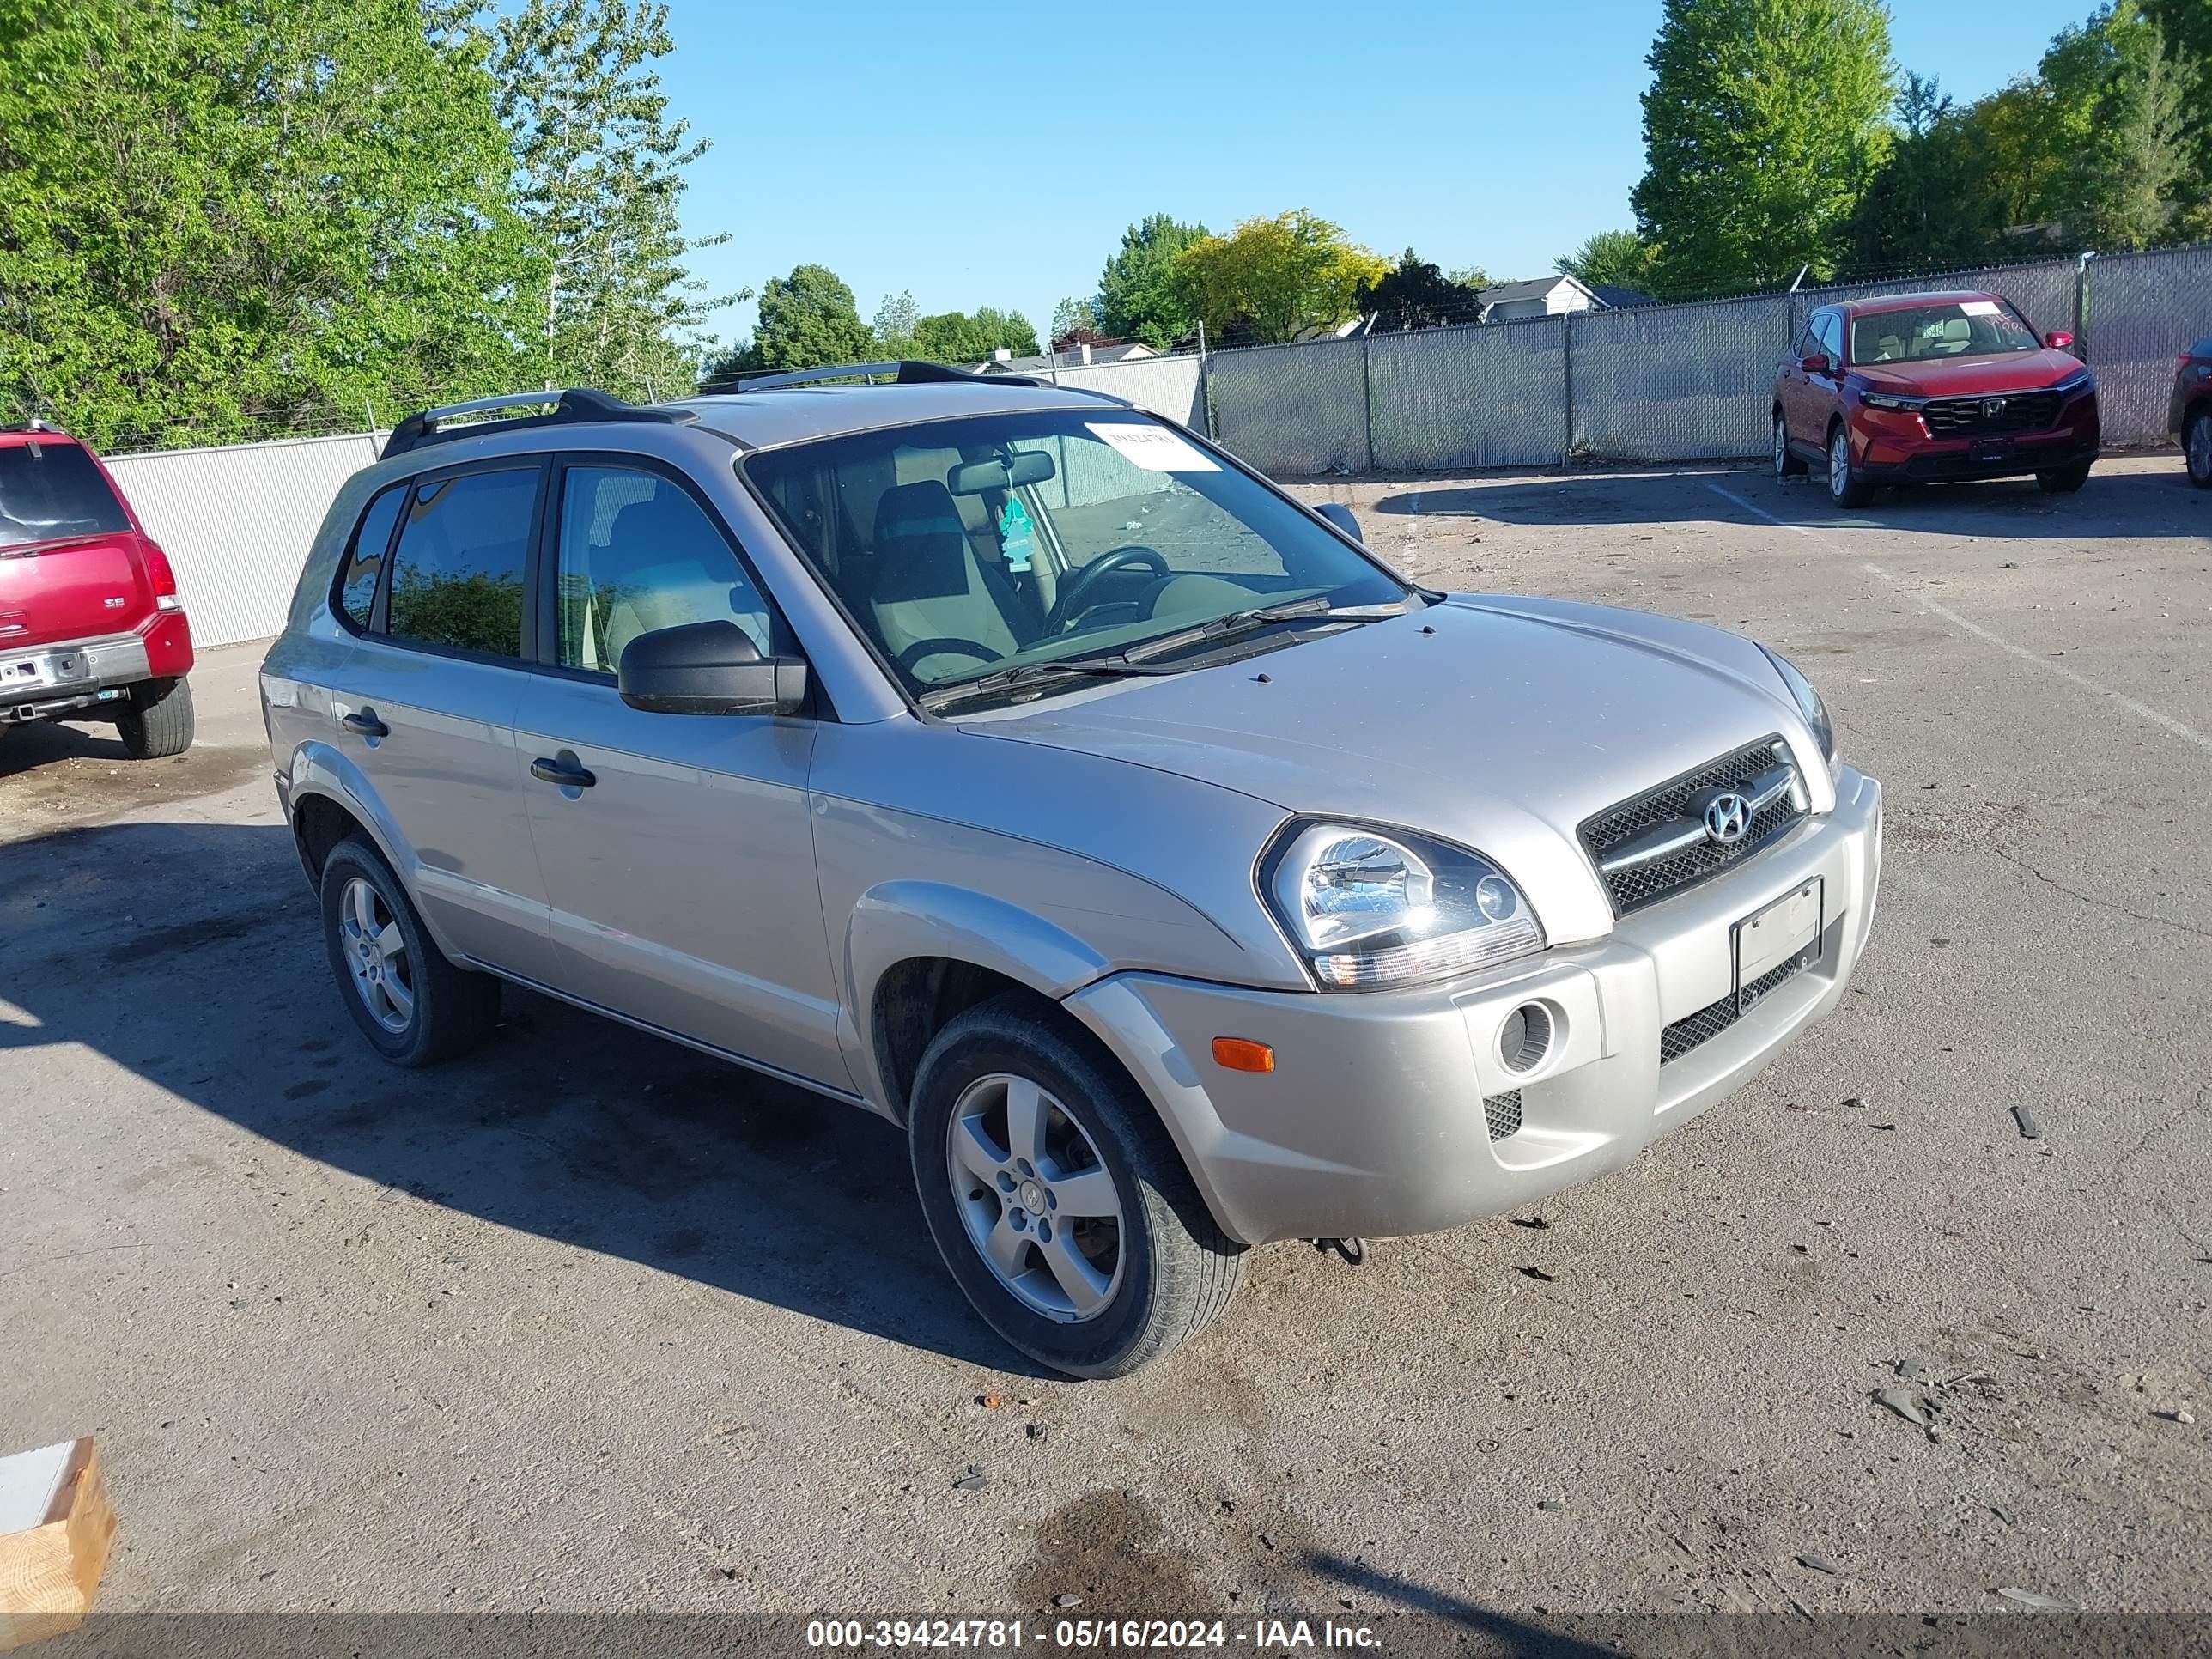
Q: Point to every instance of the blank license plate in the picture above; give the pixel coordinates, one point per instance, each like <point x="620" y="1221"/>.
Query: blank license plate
<point x="1785" y="931"/>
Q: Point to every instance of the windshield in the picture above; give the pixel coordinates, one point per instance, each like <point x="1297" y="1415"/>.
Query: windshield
<point x="965" y="548"/>
<point x="50" y="489"/>
<point x="1956" y="328"/>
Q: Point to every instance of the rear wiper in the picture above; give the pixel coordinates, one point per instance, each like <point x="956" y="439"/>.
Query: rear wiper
<point x="1243" y="621"/>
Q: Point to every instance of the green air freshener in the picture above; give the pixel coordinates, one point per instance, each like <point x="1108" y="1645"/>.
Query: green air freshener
<point x="1016" y="534"/>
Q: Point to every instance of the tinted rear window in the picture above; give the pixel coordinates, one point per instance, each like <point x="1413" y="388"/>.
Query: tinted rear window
<point x="457" y="572"/>
<point x="357" y="589"/>
<point x="49" y="490"/>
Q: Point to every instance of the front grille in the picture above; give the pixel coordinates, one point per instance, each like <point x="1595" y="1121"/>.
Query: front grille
<point x="1708" y="1023"/>
<point x="2022" y="411"/>
<point x="1647" y="883"/>
<point x="1501" y="1115"/>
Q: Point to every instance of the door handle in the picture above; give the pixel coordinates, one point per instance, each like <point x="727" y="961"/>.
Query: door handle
<point x="568" y="775"/>
<point x="363" y="722"/>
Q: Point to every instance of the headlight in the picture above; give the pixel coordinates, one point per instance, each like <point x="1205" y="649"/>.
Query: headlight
<point x="1373" y="908"/>
<point x="1886" y="400"/>
<point x="2080" y="380"/>
<point x="1809" y="704"/>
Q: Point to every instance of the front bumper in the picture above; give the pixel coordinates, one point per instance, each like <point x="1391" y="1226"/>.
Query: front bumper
<point x="1897" y="448"/>
<point x="49" y="682"/>
<point x="1372" y="1122"/>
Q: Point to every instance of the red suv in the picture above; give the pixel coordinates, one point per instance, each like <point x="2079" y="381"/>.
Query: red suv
<point x="2190" y="418"/>
<point x="1914" y="388"/>
<point x="90" y="625"/>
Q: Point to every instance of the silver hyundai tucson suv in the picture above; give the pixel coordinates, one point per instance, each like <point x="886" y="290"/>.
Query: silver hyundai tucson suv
<point x="1026" y="770"/>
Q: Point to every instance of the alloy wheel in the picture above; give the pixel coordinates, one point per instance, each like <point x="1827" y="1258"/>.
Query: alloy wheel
<point x="1839" y="464"/>
<point x="1037" y="1201"/>
<point x="1781" y="447"/>
<point x="376" y="956"/>
<point x="2200" y="449"/>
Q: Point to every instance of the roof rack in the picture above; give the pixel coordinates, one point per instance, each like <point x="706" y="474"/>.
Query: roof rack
<point x="905" y="371"/>
<point x="34" y="424"/>
<point x="574" y="404"/>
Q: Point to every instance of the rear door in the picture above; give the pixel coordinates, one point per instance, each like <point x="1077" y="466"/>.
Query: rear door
<point x="677" y="849"/>
<point x="1825" y="392"/>
<point x="428" y="709"/>
<point x="69" y="561"/>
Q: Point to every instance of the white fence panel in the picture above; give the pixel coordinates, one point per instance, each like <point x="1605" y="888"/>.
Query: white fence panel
<point x="236" y="523"/>
<point x="1172" y="386"/>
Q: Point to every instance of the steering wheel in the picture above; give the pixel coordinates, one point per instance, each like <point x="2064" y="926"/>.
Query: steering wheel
<point x="922" y="648"/>
<point x="1091" y="574"/>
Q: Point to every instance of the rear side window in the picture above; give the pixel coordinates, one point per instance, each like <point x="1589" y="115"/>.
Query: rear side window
<point x="52" y="489"/>
<point x="457" y="572"/>
<point x="357" y="587"/>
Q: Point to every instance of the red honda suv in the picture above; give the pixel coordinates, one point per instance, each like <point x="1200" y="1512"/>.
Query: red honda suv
<point x="90" y="625"/>
<point x="1914" y="388"/>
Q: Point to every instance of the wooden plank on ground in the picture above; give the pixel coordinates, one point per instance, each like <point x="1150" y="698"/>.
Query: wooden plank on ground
<point x="55" y="1530"/>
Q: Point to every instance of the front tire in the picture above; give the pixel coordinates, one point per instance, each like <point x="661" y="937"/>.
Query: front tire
<point x="414" y="1007"/>
<point x="156" y="721"/>
<point x="2196" y="444"/>
<point x="2064" y="482"/>
<point x="1056" y="1198"/>
<point x="1786" y="464"/>
<point x="1847" y="486"/>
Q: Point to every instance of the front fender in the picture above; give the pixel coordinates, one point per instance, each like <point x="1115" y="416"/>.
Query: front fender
<point x="896" y="922"/>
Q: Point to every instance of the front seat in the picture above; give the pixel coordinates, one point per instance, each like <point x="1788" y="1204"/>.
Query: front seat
<point x="663" y="566"/>
<point x="929" y="587"/>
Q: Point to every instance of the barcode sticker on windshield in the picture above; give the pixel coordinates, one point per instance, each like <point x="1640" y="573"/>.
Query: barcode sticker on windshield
<point x="1155" y="448"/>
<point x="1979" y="307"/>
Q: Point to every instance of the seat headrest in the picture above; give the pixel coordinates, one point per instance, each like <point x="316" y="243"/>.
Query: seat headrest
<point x="648" y="531"/>
<point x="922" y="548"/>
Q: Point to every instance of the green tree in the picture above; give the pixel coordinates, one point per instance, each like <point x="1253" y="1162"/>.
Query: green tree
<point x="2188" y="27"/>
<point x="1414" y="293"/>
<point x="1764" y="122"/>
<point x="807" y="320"/>
<point x="216" y="219"/>
<point x="897" y="320"/>
<point x="1620" y="258"/>
<point x="1932" y="203"/>
<point x="954" y="336"/>
<point x="2121" y="103"/>
<point x="1074" y="319"/>
<point x="1273" y="280"/>
<point x="1138" y="296"/>
<point x="599" y="175"/>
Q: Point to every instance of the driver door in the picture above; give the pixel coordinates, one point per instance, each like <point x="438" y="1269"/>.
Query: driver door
<point x="677" y="850"/>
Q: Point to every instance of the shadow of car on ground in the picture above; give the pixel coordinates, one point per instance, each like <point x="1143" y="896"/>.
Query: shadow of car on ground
<point x="192" y="954"/>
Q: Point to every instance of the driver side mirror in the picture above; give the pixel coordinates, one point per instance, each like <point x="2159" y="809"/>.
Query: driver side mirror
<point x="708" y="668"/>
<point x="1817" y="363"/>
<point x="2059" y="340"/>
<point x="1340" y="516"/>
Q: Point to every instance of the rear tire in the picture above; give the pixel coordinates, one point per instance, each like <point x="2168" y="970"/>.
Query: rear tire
<point x="1786" y="464"/>
<point x="1171" y="1269"/>
<point x="2063" y="482"/>
<point x="416" y="1008"/>
<point x="2197" y="440"/>
<point x="157" y="719"/>
<point x="1847" y="485"/>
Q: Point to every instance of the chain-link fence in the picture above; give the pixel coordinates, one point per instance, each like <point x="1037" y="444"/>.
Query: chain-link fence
<point x="1489" y="395"/>
<point x="1675" y="383"/>
<point x="2046" y="293"/>
<point x="2144" y="311"/>
<point x="1292" y="410"/>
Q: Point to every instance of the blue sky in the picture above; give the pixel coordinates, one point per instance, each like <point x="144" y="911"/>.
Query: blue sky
<point x="982" y="153"/>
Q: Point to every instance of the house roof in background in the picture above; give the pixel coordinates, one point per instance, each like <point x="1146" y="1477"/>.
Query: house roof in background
<point x="1113" y="354"/>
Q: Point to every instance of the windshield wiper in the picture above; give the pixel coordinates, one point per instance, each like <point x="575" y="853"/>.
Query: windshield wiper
<point x="1032" y="673"/>
<point x="1243" y="621"/>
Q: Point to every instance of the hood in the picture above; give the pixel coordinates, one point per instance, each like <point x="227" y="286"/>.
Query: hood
<point x="1967" y="377"/>
<point x="1497" y="722"/>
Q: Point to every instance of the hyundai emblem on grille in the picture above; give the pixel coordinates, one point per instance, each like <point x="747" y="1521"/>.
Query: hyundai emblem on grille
<point x="1727" y="819"/>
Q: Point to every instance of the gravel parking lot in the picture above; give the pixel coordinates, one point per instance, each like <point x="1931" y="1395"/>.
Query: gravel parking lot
<point x="587" y="1321"/>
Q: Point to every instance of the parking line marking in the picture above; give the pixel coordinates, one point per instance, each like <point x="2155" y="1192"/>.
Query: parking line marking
<point x="2143" y="711"/>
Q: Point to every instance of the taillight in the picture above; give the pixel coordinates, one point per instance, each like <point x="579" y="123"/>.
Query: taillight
<point x="163" y="578"/>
